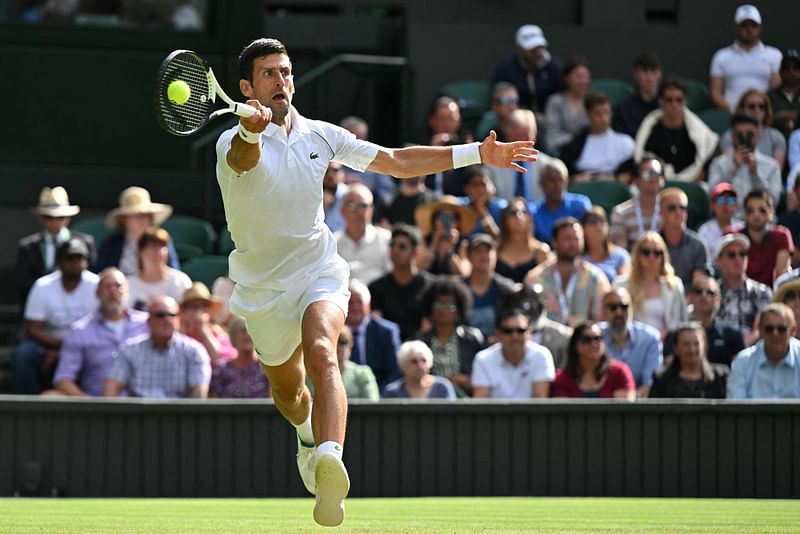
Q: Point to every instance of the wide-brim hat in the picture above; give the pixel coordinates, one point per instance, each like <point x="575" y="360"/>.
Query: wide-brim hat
<point x="790" y="285"/>
<point x="199" y="292"/>
<point x="136" y="200"/>
<point x="423" y="215"/>
<point x="54" y="202"/>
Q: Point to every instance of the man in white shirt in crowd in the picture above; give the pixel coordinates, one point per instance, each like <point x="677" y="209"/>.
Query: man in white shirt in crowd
<point x="364" y="245"/>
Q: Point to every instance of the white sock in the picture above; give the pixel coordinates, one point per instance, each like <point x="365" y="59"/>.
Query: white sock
<point x="305" y="431"/>
<point x="329" y="447"/>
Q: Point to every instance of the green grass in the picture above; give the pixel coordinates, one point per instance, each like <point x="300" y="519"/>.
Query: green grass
<point x="379" y="516"/>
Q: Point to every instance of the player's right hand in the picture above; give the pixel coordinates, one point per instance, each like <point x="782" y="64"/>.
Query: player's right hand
<point x="259" y="120"/>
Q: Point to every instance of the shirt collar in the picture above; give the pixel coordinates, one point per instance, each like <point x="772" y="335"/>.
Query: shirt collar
<point x="299" y="124"/>
<point x="758" y="47"/>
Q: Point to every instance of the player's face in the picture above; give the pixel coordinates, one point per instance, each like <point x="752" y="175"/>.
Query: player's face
<point x="273" y="84"/>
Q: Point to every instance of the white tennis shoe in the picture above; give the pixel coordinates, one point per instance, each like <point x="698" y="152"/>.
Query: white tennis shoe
<point x="306" y="464"/>
<point x="333" y="484"/>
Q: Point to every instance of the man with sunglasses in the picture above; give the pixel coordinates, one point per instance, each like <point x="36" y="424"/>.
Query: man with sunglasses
<point x="364" y="245"/>
<point x="723" y="207"/>
<point x="740" y="297"/>
<point x="636" y="216"/>
<point x="771" y="368"/>
<point x="635" y="343"/>
<point x="162" y="363"/>
<point x="687" y="252"/>
<point x="771" y="245"/>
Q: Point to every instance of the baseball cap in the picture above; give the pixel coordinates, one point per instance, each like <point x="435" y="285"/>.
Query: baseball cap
<point x="530" y="36"/>
<point x="481" y="239"/>
<point x="747" y="12"/>
<point x="734" y="237"/>
<point x="721" y="189"/>
<point x="73" y="247"/>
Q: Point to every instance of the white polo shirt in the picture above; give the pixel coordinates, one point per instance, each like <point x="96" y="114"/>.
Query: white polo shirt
<point x="506" y="381"/>
<point x="369" y="256"/>
<point x="742" y="69"/>
<point x="274" y="211"/>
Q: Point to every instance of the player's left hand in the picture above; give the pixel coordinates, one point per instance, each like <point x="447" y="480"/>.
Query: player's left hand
<point x="504" y="155"/>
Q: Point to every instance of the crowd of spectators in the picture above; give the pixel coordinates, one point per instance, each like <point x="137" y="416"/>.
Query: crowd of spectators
<point x="481" y="282"/>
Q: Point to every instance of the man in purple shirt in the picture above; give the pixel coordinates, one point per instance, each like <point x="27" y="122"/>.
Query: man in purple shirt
<point x="86" y="354"/>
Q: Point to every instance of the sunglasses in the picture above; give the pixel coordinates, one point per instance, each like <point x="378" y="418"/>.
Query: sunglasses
<point x="772" y="328"/>
<point x="650" y="175"/>
<point x="506" y="100"/>
<point x="509" y="331"/>
<point x="750" y="211"/>
<point x="53" y="218"/>
<point x="756" y="106"/>
<point x="343" y="342"/>
<point x="676" y="207"/>
<point x="791" y="295"/>
<point x="614" y="306"/>
<point x="518" y="213"/>
<point x="447" y="306"/>
<point x="353" y="206"/>
<point x="399" y="244"/>
<point x="732" y="255"/>
<point x="675" y="99"/>
<point x="704" y="291"/>
<point x="162" y="314"/>
<point x="590" y="339"/>
<point x="725" y="200"/>
<point x="651" y="252"/>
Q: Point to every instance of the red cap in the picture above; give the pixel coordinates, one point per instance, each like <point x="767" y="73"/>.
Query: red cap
<point x="719" y="189"/>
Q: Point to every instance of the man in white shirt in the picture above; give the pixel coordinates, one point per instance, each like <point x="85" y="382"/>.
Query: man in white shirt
<point x="746" y="64"/>
<point x="516" y="367"/>
<point x="291" y="285"/>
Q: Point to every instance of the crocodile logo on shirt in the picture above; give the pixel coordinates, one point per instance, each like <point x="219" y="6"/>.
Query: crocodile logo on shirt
<point x="313" y="155"/>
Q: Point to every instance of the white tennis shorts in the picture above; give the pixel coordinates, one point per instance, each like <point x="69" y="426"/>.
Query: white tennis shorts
<point x="274" y="317"/>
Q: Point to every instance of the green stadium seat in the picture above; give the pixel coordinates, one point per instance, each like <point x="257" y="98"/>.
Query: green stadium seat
<point x="697" y="97"/>
<point x="602" y="193"/>
<point x="206" y="269"/>
<point x="616" y="90"/>
<point x="191" y="231"/>
<point x="718" y="120"/>
<point x="94" y="226"/>
<point x="699" y="201"/>
<point x="225" y="244"/>
<point x="473" y="98"/>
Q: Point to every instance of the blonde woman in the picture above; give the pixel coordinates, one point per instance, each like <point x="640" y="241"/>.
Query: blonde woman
<point x="656" y="292"/>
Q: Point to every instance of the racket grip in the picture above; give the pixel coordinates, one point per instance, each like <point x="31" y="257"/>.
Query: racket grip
<point x="243" y="110"/>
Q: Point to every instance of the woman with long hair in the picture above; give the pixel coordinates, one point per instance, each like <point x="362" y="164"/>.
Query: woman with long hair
<point x="598" y="249"/>
<point x="769" y="141"/>
<point x="656" y="292"/>
<point x="589" y="371"/>
<point x="517" y="250"/>
<point x="155" y="277"/>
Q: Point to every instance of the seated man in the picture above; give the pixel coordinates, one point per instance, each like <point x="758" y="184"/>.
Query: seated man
<point x="771" y="246"/>
<point x="86" y="355"/>
<point x="687" y="252"/>
<point x="411" y="194"/>
<point x="629" y="112"/>
<point x="555" y="336"/>
<point x="557" y="202"/>
<point x="636" y="216"/>
<point x="723" y="208"/>
<point x="489" y="289"/>
<point x="162" y="363"/>
<point x="785" y="98"/>
<point x="505" y="100"/>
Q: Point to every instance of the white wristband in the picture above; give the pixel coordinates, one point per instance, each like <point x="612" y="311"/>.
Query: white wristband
<point x="248" y="136"/>
<point x="464" y="155"/>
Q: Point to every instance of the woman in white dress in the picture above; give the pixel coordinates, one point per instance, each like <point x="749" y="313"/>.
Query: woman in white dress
<point x="155" y="277"/>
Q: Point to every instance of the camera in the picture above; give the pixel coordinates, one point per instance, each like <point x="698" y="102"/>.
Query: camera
<point x="745" y="139"/>
<point x="447" y="219"/>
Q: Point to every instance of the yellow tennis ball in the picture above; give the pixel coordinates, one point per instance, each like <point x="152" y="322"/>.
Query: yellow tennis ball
<point x="179" y="92"/>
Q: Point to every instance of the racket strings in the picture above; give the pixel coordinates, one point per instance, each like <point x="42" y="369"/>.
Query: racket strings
<point x="190" y="116"/>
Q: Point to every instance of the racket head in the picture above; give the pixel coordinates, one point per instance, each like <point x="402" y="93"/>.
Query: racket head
<point x="187" y="118"/>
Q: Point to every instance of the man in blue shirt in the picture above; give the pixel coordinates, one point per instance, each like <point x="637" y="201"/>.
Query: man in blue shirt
<point x="635" y="343"/>
<point x="770" y="369"/>
<point x="557" y="203"/>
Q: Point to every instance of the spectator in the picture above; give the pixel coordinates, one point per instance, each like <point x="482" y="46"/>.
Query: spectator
<point x="241" y="377"/>
<point x="794" y="151"/>
<point x="656" y="293"/>
<point x="154" y="277"/>
<point x="597" y="152"/>
<point x="788" y="293"/>
<point x="689" y="374"/>
<point x="359" y="380"/>
<point x="557" y="202"/>
<point x="333" y="189"/>
<point x="766" y="140"/>
<point x="516" y="367"/>
<point x="555" y="336"/>
<point x="489" y="289"/>
<point x="629" y="112"/>
<point x="565" y="113"/>
<point x="54" y="303"/>
<point x="636" y="344"/>
<point x="531" y="68"/>
<point x="589" y="371"/>
<point x="381" y="185"/>
<point x="198" y="306"/>
<point x="36" y="253"/>
<point x="687" y="252"/>
<point x="85" y="358"/>
<point x="375" y="340"/>
<point x="505" y="100"/>
<point x="599" y="250"/>
<point x="135" y="214"/>
<point x="741" y="296"/>
<point x="395" y="296"/>
<point x="785" y="99"/>
<point x="411" y="194"/>
<point x="444" y="128"/>
<point x="446" y="303"/>
<point x="638" y="215"/>
<point x="771" y="247"/>
<point x="480" y="197"/>
<point x="443" y="224"/>
<point x="746" y="168"/>
<point x="676" y="135"/>
<point x="573" y="287"/>
<point x="769" y="370"/>
<point x="518" y="251"/>
<point x="162" y="363"/>
<point x="746" y="64"/>
<point x="415" y="360"/>
<point x="790" y="219"/>
<point x="363" y="245"/>
<point x="722" y="342"/>
<point x="723" y="208"/>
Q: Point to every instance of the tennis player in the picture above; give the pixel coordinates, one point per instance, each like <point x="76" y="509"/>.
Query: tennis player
<point x="291" y="285"/>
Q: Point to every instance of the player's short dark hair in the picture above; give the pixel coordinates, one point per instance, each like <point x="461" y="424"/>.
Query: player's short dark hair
<point x="671" y="82"/>
<point x="409" y="232"/>
<point x="595" y="98"/>
<point x="258" y="48"/>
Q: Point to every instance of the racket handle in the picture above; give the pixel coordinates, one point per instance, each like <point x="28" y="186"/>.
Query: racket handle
<point x="243" y="110"/>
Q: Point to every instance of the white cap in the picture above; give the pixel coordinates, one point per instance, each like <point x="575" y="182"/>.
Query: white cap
<point x="733" y="237"/>
<point x="530" y="36"/>
<point x="747" y="12"/>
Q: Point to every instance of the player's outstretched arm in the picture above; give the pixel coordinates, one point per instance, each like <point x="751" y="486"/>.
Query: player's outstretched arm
<point x="423" y="160"/>
<point x="245" y="148"/>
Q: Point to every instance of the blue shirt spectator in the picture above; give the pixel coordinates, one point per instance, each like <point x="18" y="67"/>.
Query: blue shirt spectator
<point x="753" y="376"/>
<point x="642" y="352"/>
<point x="441" y="388"/>
<point x="544" y="216"/>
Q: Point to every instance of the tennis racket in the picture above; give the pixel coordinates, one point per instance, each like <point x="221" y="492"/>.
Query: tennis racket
<point x="188" y="117"/>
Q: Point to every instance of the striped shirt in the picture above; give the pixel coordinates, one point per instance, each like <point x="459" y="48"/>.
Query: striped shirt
<point x="625" y="223"/>
<point x="171" y="373"/>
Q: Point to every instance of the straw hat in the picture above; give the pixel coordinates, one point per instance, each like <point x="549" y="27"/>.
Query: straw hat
<point x="789" y="285"/>
<point x="199" y="292"/>
<point x="423" y="215"/>
<point x="135" y="200"/>
<point x="54" y="202"/>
